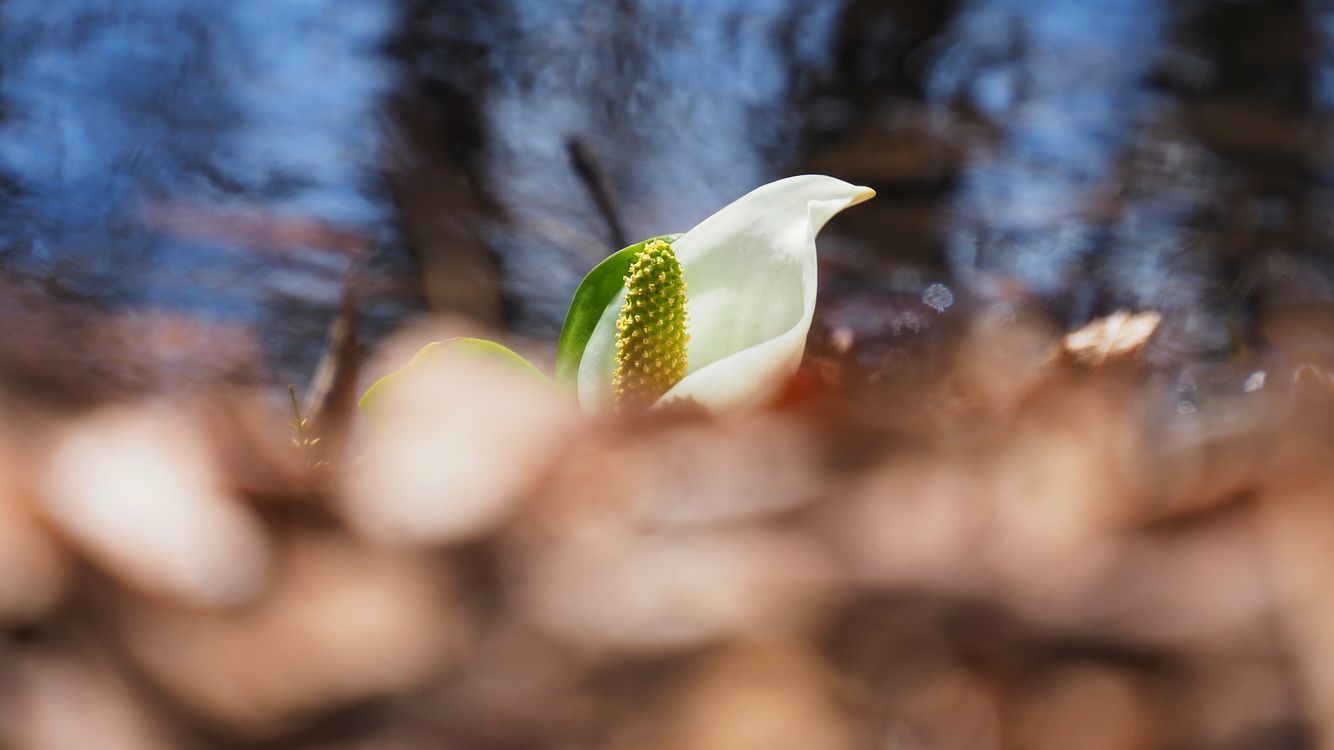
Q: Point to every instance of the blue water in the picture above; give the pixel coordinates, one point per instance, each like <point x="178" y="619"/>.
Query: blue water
<point x="236" y="161"/>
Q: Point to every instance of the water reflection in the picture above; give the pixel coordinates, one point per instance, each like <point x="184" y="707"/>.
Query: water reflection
<point x="1056" y="202"/>
<point x="216" y="159"/>
<point x="1060" y="82"/>
<point x="609" y="123"/>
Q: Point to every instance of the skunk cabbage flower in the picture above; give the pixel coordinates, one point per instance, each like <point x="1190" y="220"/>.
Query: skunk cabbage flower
<point x="717" y="316"/>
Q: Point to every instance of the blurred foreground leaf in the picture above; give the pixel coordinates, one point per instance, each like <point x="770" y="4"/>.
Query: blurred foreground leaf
<point x="471" y="347"/>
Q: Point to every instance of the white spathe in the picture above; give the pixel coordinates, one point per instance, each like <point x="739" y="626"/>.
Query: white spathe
<point x="750" y="278"/>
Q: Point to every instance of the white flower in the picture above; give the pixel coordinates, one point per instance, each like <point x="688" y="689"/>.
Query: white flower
<point x="750" y="276"/>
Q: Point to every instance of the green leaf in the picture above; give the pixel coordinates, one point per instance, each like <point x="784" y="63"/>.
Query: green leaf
<point x="590" y="300"/>
<point x="462" y="345"/>
<point x="500" y="352"/>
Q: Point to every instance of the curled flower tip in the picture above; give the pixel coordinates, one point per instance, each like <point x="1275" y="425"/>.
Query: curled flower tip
<point x="651" y="330"/>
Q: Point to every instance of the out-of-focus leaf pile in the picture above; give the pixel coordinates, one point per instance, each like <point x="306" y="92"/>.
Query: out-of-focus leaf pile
<point x="1013" y="541"/>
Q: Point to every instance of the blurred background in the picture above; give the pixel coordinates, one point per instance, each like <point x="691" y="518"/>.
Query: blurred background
<point x="220" y="177"/>
<point x="992" y="512"/>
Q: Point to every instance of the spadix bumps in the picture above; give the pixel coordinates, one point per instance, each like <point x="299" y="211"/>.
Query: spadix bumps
<point x="651" y="330"/>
